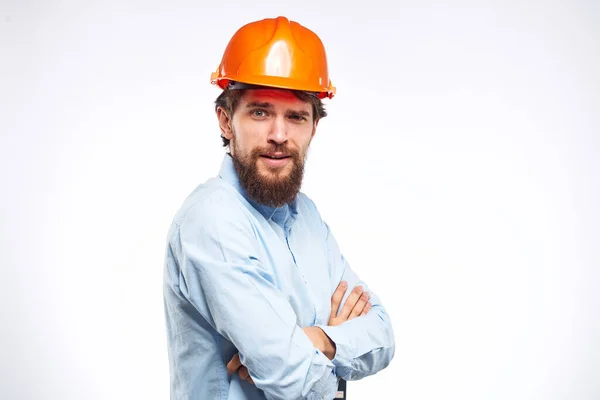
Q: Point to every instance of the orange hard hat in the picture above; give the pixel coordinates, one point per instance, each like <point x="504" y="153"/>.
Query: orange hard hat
<point x="278" y="53"/>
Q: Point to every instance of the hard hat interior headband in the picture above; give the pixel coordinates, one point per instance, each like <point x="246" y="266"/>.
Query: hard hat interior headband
<point x="233" y="85"/>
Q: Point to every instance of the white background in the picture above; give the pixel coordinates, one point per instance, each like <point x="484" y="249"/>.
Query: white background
<point x="458" y="169"/>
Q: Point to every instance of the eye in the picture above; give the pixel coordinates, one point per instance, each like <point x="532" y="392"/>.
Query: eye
<point x="297" y="117"/>
<point x="258" y="113"/>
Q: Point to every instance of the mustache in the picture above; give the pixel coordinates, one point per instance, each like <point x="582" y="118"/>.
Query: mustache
<point x="277" y="148"/>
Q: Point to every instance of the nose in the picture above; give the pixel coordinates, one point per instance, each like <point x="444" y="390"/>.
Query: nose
<point x="278" y="131"/>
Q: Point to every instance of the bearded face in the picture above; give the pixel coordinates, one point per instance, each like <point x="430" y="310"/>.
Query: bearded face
<point x="269" y="132"/>
<point x="271" y="175"/>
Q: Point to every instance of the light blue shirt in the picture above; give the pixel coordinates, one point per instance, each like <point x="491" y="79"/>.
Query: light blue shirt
<point x="244" y="277"/>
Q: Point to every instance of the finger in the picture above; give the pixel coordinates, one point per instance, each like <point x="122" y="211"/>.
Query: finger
<point x="351" y="302"/>
<point x="337" y="297"/>
<point x="250" y="379"/>
<point x="360" y="305"/>
<point x="366" y="310"/>
<point x="243" y="373"/>
<point x="234" y="364"/>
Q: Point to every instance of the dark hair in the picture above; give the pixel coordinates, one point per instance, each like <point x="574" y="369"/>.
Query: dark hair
<point x="230" y="98"/>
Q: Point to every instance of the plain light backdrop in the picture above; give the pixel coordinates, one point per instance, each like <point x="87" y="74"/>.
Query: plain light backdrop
<point x="458" y="169"/>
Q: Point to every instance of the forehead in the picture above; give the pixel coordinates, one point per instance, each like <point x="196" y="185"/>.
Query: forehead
<point x="276" y="97"/>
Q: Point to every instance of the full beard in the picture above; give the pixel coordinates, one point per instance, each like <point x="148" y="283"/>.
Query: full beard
<point x="276" y="189"/>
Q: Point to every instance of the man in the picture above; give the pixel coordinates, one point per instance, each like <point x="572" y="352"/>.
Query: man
<point x="253" y="276"/>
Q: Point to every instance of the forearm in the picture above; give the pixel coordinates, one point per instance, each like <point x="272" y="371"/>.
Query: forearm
<point x="281" y="360"/>
<point x="295" y="370"/>
<point x="364" y="345"/>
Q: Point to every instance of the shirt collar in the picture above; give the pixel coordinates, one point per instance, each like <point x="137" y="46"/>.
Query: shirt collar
<point x="283" y="216"/>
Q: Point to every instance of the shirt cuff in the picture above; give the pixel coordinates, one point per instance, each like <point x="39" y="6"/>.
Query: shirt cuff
<point x="344" y="344"/>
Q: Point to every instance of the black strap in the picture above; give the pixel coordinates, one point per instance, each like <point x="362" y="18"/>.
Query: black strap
<point x="341" y="391"/>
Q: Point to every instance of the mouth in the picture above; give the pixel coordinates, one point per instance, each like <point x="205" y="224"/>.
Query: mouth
<point x="276" y="160"/>
<point x="275" y="156"/>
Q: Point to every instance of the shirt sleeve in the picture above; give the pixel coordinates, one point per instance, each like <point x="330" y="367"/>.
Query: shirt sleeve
<point x="364" y="345"/>
<point x="222" y="276"/>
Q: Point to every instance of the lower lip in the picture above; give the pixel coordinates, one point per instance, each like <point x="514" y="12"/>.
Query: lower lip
<point x="275" y="162"/>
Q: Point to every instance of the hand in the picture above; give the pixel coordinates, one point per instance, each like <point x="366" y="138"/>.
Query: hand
<point x="236" y="365"/>
<point x="320" y="340"/>
<point x="356" y="304"/>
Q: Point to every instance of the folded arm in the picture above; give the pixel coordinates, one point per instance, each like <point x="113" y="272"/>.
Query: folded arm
<point x="222" y="277"/>
<point x="364" y="345"/>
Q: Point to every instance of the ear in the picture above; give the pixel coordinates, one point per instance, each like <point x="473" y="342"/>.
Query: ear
<point x="224" y="123"/>
<point x="314" y="128"/>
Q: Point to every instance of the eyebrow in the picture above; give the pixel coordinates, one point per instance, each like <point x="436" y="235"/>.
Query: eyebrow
<point x="302" y="113"/>
<point x="260" y="105"/>
<point x="269" y="105"/>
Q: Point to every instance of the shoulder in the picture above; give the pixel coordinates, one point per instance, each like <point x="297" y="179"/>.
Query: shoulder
<point x="306" y="205"/>
<point x="213" y="223"/>
<point x="211" y="204"/>
<point x="309" y="213"/>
